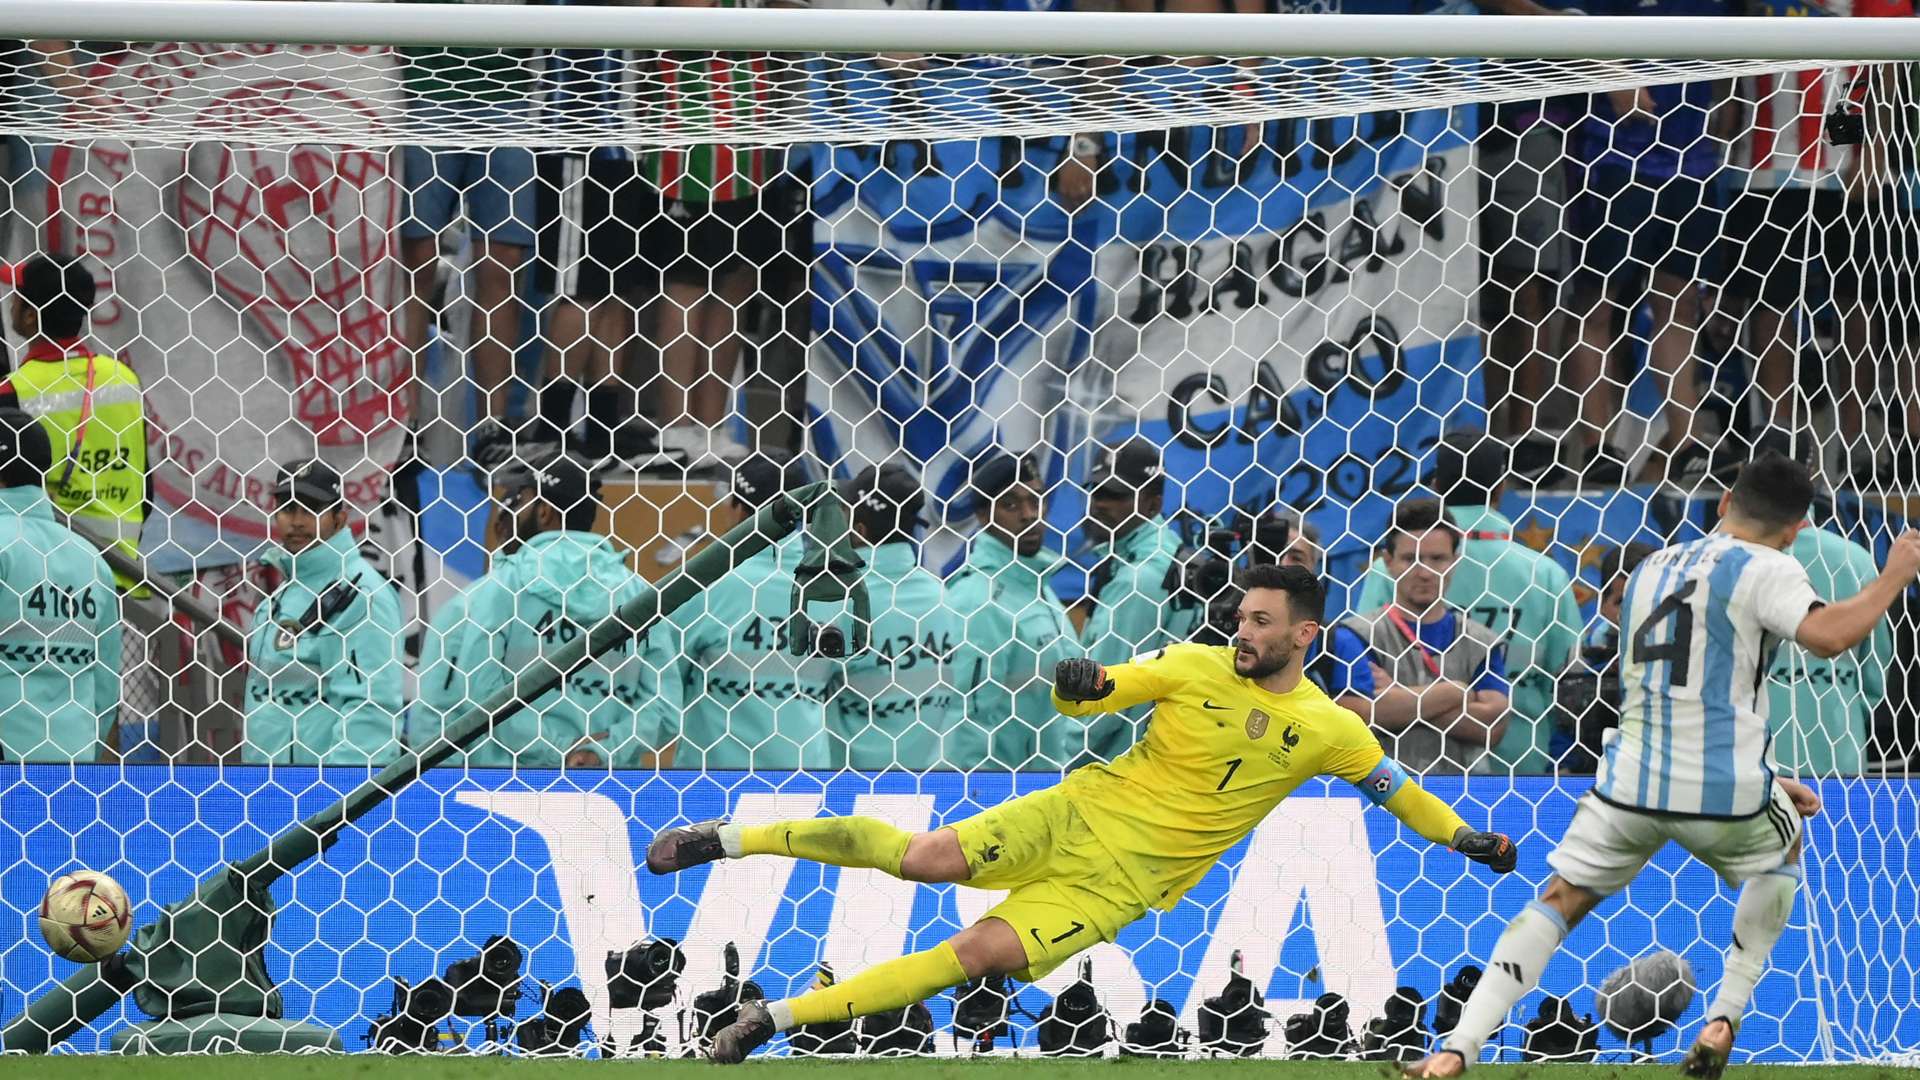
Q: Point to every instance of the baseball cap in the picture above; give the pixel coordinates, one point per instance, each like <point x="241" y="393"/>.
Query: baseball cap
<point x="313" y="485"/>
<point x="1134" y="464"/>
<point x="757" y="480"/>
<point x="994" y="472"/>
<point x="26" y="453"/>
<point x="562" y="483"/>
<point x="885" y="497"/>
<point x="50" y="284"/>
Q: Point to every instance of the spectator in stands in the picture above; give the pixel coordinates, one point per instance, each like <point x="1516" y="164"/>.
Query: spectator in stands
<point x="899" y="699"/>
<point x="1823" y="710"/>
<point x="467" y="92"/>
<point x="1523" y="596"/>
<point x="1440" y="692"/>
<point x="1793" y="227"/>
<point x="22" y="64"/>
<point x="1647" y="222"/>
<point x="1016" y="628"/>
<point x="59" y="616"/>
<point x="1131" y="588"/>
<point x="1884" y="215"/>
<point x="708" y="240"/>
<point x="733" y="695"/>
<point x="324" y="670"/>
<point x="560" y="581"/>
<point x="1523" y="193"/>
<point x="591" y="206"/>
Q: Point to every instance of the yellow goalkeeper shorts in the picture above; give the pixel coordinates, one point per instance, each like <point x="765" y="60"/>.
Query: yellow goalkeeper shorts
<point x="1066" y="892"/>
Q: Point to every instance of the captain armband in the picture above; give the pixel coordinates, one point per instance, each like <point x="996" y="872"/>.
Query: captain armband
<point x="1386" y="779"/>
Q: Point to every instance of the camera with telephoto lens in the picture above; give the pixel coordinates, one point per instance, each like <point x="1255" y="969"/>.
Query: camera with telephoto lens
<point x="1201" y="579"/>
<point x="1399" y="1033"/>
<point x="644" y="975"/>
<point x="412" y="1024"/>
<point x="904" y="1032"/>
<point x="562" y="1020"/>
<point x="488" y="984"/>
<point x="1453" y="998"/>
<point x="980" y="1012"/>
<point x="716" y="1009"/>
<point x="1234" y="1021"/>
<point x="1074" y="1024"/>
<point x="1157" y="1033"/>
<point x="834" y="1037"/>
<point x="1587" y="697"/>
<point x="1321" y="1033"/>
<point x="1556" y="1034"/>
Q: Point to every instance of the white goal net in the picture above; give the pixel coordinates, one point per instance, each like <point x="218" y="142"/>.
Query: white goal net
<point x="384" y="366"/>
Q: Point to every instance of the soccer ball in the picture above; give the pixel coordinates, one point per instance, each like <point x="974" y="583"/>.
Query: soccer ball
<point x="85" y="916"/>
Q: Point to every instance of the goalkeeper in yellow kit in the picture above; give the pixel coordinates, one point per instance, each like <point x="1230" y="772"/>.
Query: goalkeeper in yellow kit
<point x="1234" y="731"/>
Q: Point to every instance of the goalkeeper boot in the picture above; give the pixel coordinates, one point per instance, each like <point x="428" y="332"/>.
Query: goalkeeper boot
<point x="1708" y="1058"/>
<point x="745" y="1035"/>
<point x="678" y="849"/>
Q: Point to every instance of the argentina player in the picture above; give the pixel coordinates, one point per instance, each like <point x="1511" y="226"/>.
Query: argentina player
<point x="1691" y="760"/>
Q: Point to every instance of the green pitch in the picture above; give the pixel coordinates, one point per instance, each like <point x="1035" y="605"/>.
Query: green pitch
<point x="369" y="1067"/>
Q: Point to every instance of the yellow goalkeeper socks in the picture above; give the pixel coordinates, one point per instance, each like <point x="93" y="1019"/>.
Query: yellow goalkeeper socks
<point x="892" y="985"/>
<point x="841" y="841"/>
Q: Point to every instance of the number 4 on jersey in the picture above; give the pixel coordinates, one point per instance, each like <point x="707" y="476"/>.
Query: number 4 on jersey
<point x="1678" y="651"/>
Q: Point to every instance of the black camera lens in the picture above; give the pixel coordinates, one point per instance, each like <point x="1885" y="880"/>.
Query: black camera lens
<point x="644" y="975"/>
<point x="428" y="1003"/>
<point x="831" y="642"/>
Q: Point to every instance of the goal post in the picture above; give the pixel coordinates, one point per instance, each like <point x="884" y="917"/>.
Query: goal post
<point x="981" y="33"/>
<point x="1566" y="272"/>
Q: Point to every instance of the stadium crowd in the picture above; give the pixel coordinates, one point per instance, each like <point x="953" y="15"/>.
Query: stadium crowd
<point x="1710" y="221"/>
<point x="1681" y="201"/>
<point x="1458" y="642"/>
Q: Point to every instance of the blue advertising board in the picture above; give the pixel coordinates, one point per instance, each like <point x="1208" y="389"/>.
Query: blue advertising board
<point x="1329" y="894"/>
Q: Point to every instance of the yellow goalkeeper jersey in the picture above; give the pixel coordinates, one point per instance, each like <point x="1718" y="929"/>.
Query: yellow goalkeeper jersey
<point x="1219" y="754"/>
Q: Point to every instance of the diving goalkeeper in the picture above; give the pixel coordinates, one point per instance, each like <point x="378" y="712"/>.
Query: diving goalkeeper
<point x="1234" y="731"/>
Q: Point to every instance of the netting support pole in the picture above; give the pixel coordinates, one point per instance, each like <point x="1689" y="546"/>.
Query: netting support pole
<point x="94" y="989"/>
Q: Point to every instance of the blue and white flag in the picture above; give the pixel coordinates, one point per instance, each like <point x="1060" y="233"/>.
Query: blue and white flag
<point x="1285" y="306"/>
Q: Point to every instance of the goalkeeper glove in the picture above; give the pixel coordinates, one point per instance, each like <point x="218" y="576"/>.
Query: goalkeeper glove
<point x="1081" y="679"/>
<point x="1488" y="849"/>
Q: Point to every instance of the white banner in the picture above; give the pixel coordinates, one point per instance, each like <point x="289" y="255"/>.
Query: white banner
<point x="254" y="289"/>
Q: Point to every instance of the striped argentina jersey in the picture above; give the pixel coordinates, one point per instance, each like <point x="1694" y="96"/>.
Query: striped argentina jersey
<point x="1699" y="626"/>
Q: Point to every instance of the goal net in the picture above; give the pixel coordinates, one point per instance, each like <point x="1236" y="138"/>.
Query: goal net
<point x="1082" y="327"/>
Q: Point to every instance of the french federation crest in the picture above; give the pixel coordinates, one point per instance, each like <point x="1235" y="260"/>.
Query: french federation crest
<point x="1256" y="723"/>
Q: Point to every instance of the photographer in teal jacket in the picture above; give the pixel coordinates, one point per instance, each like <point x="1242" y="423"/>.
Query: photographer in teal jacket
<point x="59" y="615"/>
<point x="1822" y="710"/>
<point x="552" y="579"/>
<point x="1131" y="588"/>
<point x="898" y="700"/>
<point x="732" y="693"/>
<point x="324" y="671"/>
<point x="1016" y="630"/>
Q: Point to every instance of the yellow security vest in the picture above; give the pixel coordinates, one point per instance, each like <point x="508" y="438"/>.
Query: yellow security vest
<point x="90" y="405"/>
